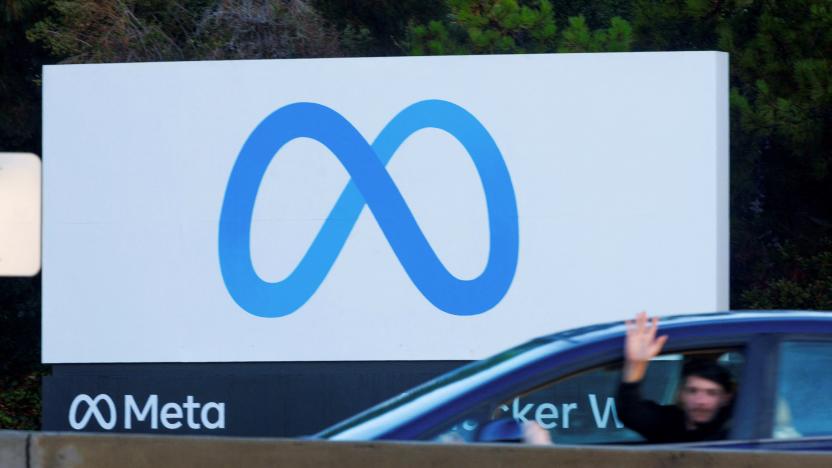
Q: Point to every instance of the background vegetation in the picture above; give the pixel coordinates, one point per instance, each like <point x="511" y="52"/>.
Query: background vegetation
<point x="781" y="103"/>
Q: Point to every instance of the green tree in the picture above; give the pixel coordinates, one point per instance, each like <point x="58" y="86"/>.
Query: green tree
<point x="378" y="27"/>
<point x="20" y="119"/>
<point x="781" y="114"/>
<point x="95" y="31"/>
<point x="579" y="38"/>
<point x="512" y="26"/>
<point x="20" y="369"/>
<point x="20" y="62"/>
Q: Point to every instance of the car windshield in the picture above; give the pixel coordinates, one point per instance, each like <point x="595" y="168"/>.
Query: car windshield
<point x="371" y="422"/>
<point x="446" y="384"/>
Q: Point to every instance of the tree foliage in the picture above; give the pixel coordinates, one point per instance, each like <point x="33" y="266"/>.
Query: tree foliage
<point x="377" y="27"/>
<point x="20" y="368"/>
<point x="512" y="26"/>
<point x="93" y="31"/>
<point x="20" y="62"/>
<point x="781" y="116"/>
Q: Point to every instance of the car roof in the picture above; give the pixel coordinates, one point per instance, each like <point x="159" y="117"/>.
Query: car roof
<point x="709" y="319"/>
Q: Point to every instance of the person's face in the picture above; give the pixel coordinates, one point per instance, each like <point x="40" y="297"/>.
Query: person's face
<point x="701" y="399"/>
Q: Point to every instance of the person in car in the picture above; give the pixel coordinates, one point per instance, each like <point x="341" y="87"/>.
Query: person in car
<point x="704" y="402"/>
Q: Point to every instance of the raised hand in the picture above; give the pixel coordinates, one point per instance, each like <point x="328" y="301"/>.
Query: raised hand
<point x="640" y="346"/>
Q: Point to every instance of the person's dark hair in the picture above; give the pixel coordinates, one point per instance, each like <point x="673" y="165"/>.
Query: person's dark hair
<point x="711" y="371"/>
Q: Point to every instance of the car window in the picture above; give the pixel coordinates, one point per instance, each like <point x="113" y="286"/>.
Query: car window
<point x="581" y="408"/>
<point x="804" y="386"/>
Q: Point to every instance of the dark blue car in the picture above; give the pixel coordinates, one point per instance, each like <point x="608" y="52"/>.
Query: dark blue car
<point x="567" y="383"/>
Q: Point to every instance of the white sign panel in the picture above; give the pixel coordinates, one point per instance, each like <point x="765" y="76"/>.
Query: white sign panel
<point x="19" y="214"/>
<point x="377" y="209"/>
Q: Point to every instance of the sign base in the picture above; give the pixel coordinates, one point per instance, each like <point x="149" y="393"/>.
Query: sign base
<point x="287" y="399"/>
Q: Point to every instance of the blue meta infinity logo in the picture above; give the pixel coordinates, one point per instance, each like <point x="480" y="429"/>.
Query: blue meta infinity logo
<point x="370" y="184"/>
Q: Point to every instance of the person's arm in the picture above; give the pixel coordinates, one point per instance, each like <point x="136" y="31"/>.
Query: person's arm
<point x="649" y="419"/>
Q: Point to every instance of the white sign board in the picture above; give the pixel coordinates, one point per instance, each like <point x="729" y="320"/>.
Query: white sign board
<point x="19" y="214"/>
<point x="380" y="208"/>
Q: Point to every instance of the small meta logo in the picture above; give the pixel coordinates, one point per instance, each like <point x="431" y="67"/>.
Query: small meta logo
<point x="102" y="409"/>
<point x="92" y="411"/>
<point x="370" y="185"/>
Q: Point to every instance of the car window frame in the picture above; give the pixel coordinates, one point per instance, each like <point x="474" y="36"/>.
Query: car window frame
<point x="751" y="418"/>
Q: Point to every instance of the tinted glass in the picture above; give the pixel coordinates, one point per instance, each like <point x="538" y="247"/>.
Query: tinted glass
<point x="581" y="409"/>
<point x="527" y="351"/>
<point x="804" y="390"/>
